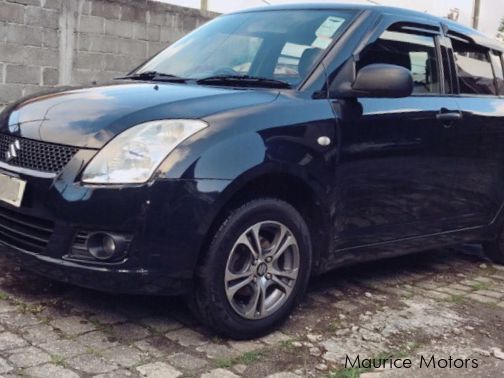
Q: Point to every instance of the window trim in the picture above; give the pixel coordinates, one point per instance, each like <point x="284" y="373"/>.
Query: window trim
<point x="497" y="56"/>
<point x="464" y="39"/>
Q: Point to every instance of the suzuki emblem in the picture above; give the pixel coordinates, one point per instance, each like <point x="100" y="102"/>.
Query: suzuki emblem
<point x="13" y="150"/>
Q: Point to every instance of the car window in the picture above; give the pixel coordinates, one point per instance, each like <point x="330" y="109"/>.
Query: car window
<point x="288" y="62"/>
<point x="415" y="52"/>
<point x="499" y="73"/>
<point x="262" y="44"/>
<point x="242" y="49"/>
<point x="474" y="69"/>
<point x="296" y="60"/>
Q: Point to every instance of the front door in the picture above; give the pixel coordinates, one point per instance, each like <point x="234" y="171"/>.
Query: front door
<point x="395" y="179"/>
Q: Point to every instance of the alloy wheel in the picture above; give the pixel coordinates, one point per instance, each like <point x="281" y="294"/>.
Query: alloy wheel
<point x="262" y="270"/>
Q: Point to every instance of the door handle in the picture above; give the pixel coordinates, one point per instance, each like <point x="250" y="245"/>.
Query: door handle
<point x="447" y="118"/>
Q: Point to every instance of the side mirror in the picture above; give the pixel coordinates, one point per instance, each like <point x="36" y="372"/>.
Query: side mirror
<point x="380" y="81"/>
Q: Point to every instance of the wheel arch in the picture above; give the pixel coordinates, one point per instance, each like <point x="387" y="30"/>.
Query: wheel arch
<point x="304" y="196"/>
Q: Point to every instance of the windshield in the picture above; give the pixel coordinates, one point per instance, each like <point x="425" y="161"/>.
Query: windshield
<point x="275" y="45"/>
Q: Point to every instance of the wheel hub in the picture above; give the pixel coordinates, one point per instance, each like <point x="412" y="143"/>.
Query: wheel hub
<point x="262" y="269"/>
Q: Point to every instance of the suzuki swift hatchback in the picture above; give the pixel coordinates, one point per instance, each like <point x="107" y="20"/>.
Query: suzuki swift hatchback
<point x="265" y="147"/>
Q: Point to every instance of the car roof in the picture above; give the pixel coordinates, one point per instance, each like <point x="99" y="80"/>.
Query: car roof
<point x="475" y="35"/>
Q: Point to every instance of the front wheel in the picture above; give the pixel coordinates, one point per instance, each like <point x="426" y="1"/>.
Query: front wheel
<point x="256" y="270"/>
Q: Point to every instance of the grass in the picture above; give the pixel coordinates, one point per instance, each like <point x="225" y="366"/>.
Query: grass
<point x="93" y="351"/>
<point x="34" y="309"/>
<point x="287" y="344"/>
<point x="334" y="326"/>
<point x="481" y="286"/>
<point x="57" y="360"/>
<point x="4" y="296"/>
<point x="457" y="299"/>
<point x="224" y="363"/>
<point x="246" y="358"/>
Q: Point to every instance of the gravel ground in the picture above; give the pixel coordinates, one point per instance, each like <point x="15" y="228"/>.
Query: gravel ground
<point x="427" y="308"/>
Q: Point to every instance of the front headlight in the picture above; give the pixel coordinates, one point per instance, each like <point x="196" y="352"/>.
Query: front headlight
<point x="133" y="156"/>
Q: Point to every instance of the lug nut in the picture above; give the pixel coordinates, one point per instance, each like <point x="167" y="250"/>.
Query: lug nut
<point x="254" y="262"/>
<point x="268" y="276"/>
<point x="269" y="259"/>
<point x="254" y="279"/>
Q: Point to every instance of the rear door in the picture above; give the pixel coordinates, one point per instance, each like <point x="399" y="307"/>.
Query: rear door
<point x="478" y="185"/>
<point x="395" y="177"/>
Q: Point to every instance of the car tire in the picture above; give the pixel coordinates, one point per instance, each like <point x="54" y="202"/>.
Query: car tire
<point x="244" y="290"/>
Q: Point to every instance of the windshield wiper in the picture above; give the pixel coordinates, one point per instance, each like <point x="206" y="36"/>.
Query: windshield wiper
<point x="153" y="76"/>
<point x="244" y="80"/>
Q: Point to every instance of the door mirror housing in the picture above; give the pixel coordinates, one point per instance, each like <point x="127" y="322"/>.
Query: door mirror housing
<point x="377" y="81"/>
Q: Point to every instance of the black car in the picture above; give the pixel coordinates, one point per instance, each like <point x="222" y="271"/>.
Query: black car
<point x="265" y="147"/>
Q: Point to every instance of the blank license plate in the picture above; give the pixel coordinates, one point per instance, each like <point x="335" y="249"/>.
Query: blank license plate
<point x="11" y="190"/>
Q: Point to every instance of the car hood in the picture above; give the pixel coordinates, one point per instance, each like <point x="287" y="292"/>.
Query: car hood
<point x="90" y="117"/>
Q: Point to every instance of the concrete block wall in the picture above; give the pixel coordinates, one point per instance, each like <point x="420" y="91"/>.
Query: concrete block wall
<point x="46" y="43"/>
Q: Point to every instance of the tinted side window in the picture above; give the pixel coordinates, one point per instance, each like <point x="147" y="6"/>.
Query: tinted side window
<point x="499" y="73"/>
<point x="474" y="69"/>
<point x="415" y="52"/>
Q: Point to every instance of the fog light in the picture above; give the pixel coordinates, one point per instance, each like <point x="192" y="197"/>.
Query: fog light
<point x="109" y="245"/>
<point x="105" y="247"/>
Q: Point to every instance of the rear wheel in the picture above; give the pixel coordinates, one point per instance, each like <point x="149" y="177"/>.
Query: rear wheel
<point x="255" y="271"/>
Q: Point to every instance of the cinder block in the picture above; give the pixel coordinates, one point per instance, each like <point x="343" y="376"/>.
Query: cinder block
<point x="11" y="53"/>
<point x="46" y="18"/>
<point x="119" y="28"/>
<point x="131" y="47"/>
<point x="98" y="43"/>
<point x="171" y="34"/>
<point x="87" y="77"/>
<point x="121" y="63"/>
<point x="10" y="93"/>
<point x="155" y="17"/>
<point x="91" y="24"/>
<point x="153" y="33"/>
<point x="50" y="76"/>
<point x="3" y="32"/>
<point x="53" y="4"/>
<point x="20" y="74"/>
<point x="34" y="89"/>
<point x="24" y="35"/>
<point x="11" y="12"/>
<point x="155" y="47"/>
<point x="106" y="9"/>
<point x="139" y="31"/>
<point x="50" y="38"/>
<point x="189" y="23"/>
<point x="89" y="60"/>
<point x="133" y="13"/>
<point x="146" y="32"/>
<point x="41" y="56"/>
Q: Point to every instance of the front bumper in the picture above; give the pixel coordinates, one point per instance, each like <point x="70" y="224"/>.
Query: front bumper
<point x="111" y="280"/>
<point x="167" y="221"/>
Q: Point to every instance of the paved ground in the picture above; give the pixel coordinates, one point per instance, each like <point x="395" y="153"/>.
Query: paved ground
<point x="442" y="303"/>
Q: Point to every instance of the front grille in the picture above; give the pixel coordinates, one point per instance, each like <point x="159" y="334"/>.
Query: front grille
<point x="24" y="232"/>
<point x="36" y="155"/>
